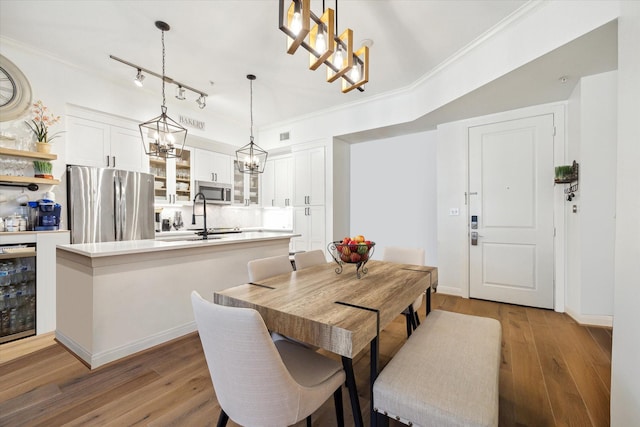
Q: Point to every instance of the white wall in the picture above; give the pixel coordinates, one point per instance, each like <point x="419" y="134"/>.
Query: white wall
<point x="625" y="369"/>
<point x="591" y="230"/>
<point x="393" y="192"/>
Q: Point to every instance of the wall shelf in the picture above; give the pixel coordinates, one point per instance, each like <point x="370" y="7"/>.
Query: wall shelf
<point x="27" y="154"/>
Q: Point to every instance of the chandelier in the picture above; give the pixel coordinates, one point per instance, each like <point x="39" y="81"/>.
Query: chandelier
<point x="162" y="136"/>
<point x="251" y="159"/>
<point x="323" y="43"/>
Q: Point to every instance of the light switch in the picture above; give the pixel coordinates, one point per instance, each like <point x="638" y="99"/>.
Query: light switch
<point x="454" y="211"/>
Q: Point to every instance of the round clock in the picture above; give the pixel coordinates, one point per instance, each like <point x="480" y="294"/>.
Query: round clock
<point x="15" y="91"/>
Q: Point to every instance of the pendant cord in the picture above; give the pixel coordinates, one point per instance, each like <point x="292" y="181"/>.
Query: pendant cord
<point x="251" y="106"/>
<point x="163" y="97"/>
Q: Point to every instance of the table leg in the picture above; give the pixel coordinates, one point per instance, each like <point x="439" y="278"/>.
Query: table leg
<point x="347" y="363"/>
<point x="373" y="374"/>
<point x="428" y="303"/>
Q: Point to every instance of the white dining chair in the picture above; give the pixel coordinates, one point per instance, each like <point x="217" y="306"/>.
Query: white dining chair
<point x="308" y="259"/>
<point x="405" y="255"/>
<point x="268" y="267"/>
<point x="259" y="382"/>
<point x="264" y="268"/>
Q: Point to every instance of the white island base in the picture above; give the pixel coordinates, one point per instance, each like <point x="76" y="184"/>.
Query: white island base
<point x="115" y="299"/>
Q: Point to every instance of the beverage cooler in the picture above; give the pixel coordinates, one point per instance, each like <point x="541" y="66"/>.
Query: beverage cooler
<point x="18" y="291"/>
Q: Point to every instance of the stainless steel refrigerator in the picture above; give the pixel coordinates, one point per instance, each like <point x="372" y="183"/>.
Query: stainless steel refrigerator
<point x="106" y="205"/>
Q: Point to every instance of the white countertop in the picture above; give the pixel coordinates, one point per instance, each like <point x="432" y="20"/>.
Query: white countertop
<point x="105" y="249"/>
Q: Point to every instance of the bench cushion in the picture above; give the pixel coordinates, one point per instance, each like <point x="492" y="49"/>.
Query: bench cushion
<point x="446" y="374"/>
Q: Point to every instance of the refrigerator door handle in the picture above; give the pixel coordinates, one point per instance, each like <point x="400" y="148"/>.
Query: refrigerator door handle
<point x="117" y="207"/>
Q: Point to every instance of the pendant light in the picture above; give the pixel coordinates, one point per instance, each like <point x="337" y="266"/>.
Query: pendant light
<point x="251" y="159"/>
<point x="162" y="136"/>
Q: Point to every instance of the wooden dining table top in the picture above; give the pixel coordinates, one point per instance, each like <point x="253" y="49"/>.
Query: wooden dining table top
<point x="337" y="312"/>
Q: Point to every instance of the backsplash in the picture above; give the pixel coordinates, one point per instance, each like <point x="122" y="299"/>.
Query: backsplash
<point x="230" y="217"/>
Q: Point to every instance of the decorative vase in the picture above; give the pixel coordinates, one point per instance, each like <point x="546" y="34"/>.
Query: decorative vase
<point x="43" y="147"/>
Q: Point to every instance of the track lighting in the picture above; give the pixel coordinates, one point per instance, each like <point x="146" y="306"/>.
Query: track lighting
<point x="139" y="78"/>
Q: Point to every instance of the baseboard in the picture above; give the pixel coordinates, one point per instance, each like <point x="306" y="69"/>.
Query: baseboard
<point x="589" y="319"/>
<point x="447" y="290"/>
<point x="107" y="356"/>
<point x="80" y="352"/>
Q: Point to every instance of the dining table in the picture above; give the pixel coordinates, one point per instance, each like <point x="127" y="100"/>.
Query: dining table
<point x="329" y="307"/>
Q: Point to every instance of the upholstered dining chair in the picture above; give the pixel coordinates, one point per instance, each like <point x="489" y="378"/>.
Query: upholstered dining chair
<point x="264" y="268"/>
<point x="268" y="267"/>
<point x="259" y="382"/>
<point x="308" y="259"/>
<point x="407" y="256"/>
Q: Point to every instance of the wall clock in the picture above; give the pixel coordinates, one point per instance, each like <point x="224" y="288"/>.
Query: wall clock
<point x="15" y="91"/>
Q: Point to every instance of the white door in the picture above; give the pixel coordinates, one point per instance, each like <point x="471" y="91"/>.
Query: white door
<point x="511" y="196"/>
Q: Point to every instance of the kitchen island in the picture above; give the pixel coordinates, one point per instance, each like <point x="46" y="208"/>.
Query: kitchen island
<point x="117" y="298"/>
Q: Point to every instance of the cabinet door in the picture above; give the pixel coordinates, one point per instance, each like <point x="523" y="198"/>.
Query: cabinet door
<point x="309" y="222"/>
<point x="283" y="184"/>
<point x="300" y="226"/>
<point x="316" y="228"/>
<point x="308" y="177"/>
<point x="88" y="142"/>
<point x="126" y="150"/>
<point x="267" y="186"/>
<point x="212" y="166"/>
<point x="246" y="187"/>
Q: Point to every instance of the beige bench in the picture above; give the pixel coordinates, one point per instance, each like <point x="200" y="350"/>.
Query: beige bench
<point x="446" y="374"/>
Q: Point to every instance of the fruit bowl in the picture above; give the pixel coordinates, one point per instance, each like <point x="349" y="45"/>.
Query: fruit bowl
<point x="351" y="252"/>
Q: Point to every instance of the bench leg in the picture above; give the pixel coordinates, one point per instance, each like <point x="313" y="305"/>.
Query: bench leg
<point x="381" y="420"/>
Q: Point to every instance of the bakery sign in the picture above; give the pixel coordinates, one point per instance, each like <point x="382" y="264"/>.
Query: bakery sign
<point x="193" y="123"/>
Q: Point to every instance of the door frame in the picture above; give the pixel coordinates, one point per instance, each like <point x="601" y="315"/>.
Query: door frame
<point x="558" y="110"/>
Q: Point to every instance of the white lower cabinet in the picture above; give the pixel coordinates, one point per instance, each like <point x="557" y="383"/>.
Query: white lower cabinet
<point x="309" y="222"/>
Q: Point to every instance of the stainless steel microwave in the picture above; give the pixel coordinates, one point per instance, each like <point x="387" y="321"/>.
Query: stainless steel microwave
<point x="214" y="192"/>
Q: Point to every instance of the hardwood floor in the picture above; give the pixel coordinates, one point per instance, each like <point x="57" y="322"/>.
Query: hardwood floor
<point x="554" y="373"/>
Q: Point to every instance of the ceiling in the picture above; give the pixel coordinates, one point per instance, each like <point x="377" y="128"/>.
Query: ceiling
<point x="213" y="45"/>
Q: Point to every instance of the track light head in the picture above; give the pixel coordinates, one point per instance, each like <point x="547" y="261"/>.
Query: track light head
<point x="180" y="93"/>
<point x="139" y="78"/>
<point x="202" y="101"/>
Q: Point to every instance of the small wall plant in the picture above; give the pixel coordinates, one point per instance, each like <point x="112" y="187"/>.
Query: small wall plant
<point x="42" y="169"/>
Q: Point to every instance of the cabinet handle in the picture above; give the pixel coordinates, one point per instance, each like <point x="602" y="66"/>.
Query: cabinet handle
<point x="273" y="202"/>
<point x="108" y="161"/>
<point x="114" y="161"/>
<point x="212" y="176"/>
<point x="215" y="175"/>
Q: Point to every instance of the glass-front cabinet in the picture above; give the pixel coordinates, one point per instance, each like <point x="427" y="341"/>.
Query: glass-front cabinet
<point x="245" y="187"/>
<point x="172" y="182"/>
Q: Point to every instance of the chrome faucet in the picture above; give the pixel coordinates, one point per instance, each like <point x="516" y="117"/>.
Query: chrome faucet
<point x="204" y="213"/>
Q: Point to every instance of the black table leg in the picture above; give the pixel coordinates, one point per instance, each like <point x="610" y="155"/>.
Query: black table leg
<point x="347" y="364"/>
<point x="373" y="374"/>
<point x="428" y="304"/>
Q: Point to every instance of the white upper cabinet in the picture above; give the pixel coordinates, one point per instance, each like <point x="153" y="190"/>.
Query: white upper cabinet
<point x="277" y="182"/>
<point x="212" y="166"/>
<point x="98" y="143"/>
<point x="309" y="177"/>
